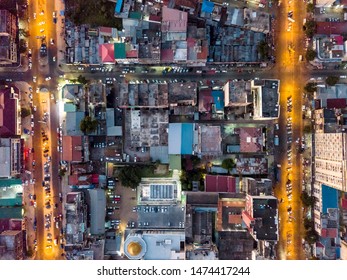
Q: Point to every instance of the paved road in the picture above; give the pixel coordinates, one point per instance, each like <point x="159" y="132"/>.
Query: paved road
<point x="293" y="75"/>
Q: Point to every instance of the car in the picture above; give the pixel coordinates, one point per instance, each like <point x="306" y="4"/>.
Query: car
<point x="48" y="78"/>
<point x="34" y="108"/>
<point x="42" y="30"/>
<point x="52" y="96"/>
<point x="49" y="247"/>
<point x="51" y="41"/>
<point x="34" y="15"/>
<point x="54" y="59"/>
<point x="34" y="79"/>
<point x="34" y="162"/>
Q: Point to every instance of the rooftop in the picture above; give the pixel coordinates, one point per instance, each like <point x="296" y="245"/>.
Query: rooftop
<point x="251" y="139"/>
<point x="220" y="183"/>
<point x="210" y="140"/>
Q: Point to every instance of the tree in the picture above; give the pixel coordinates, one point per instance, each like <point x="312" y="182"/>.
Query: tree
<point x="82" y="80"/>
<point x="307" y="200"/>
<point x="23" y="32"/>
<point x="310" y="87"/>
<point x="311" y="236"/>
<point x="310" y="28"/>
<point x="130" y="177"/>
<point x="332" y="80"/>
<point x="310" y="8"/>
<point x="310" y="54"/>
<point x="25" y="112"/>
<point x="228" y="164"/>
<point x="263" y="49"/>
<point x="22" y="46"/>
<point x="88" y="125"/>
<point x="195" y="160"/>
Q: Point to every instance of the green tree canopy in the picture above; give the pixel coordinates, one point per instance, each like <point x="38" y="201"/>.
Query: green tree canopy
<point x="25" y="112"/>
<point x="310" y="8"/>
<point x="82" y="80"/>
<point x="130" y="177"/>
<point x="88" y="125"/>
<point x="332" y="80"/>
<point x="228" y="164"/>
<point x="310" y="28"/>
<point x="310" y="87"/>
<point x="310" y="55"/>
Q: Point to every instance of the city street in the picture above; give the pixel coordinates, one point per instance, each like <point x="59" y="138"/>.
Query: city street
<point x="289" y="69"/>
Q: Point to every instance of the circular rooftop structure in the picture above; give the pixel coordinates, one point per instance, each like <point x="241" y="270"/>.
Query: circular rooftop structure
<point x="135" y="247"/>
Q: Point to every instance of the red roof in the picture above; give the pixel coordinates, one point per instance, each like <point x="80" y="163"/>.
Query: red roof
<point x="329" y="232"/>
<point x="106" y="52"/>
<point x="205" y="100"/>
<point x="72" y="148"/>
<point x="338" y="103"/>
<point x="344" y="203"/>
<point x="219" y="183"/>
<point x="167" y="55"/>
<point x="132" y="54"/>
<point x="10" y="224"/>
<point x="250" y="139"/>
<point x="8" y="112"/>
<point x="329" y="28"/>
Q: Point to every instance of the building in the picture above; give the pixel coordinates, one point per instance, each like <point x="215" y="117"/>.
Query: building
<point x="256" y="20"/>
<point x="72" y="123"/>
<point x="11" y="199"/>
<point x="251" y="139"/>
<point x="182" y="138"/>
<point x="255" y="187"/>
<point x="8" y="38"/>
<point x="266" y="99"/>
<point x="209" y="140"/>
<point x="220" y="183"/>
<point x="201" y="209"/>
<point x="72" y="148"/>
<point x="330" y="48"/>
<point x="327" y="120"/>
<point x="155" y="245"/>
<point x="331" y="159"/>
<point x="261" y="217"/>
<point x="76" y="221"/>
<point x="10" y="124"/>
<point x="146" y="128"/>
<point x="234" y="241"/>
<point x="237" y="93"/>
<point x="10" y="157"/>
<point x="158" y="191"/>
<point x="97" y="211"/>
<point x="11" y="245"/>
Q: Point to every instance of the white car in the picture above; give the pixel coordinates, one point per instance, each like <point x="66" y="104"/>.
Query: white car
<point x="34" y="15"/>
<point x="34" y="79"/>
<point x="54" y="58"/>
<point x="48" y="78"/>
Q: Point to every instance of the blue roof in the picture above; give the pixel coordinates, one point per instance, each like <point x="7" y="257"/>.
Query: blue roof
<point x="207" y="7"/>
<point x="330" y="198"/>
<point x="218" y="99"/>
<point x="187" y="139"/>
<point x="118" y="6"/>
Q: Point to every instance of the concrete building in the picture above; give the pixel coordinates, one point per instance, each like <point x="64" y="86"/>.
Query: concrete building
<point x="97" y="211"/>
<point x="10" y="157"/>
<point x="256" y="187"/>
<point x="261" y="217"/>
<point x="331" y="160"/>
<point x="266" y="98"/>
<point x="155" y="245"/>
<point x="11" y="245"/>
<point x="8" y="38"/>
<point x="10" y="124"/>
<point x="76" y="220"/>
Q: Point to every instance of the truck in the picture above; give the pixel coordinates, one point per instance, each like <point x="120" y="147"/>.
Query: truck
<point x="276" y="140"/>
